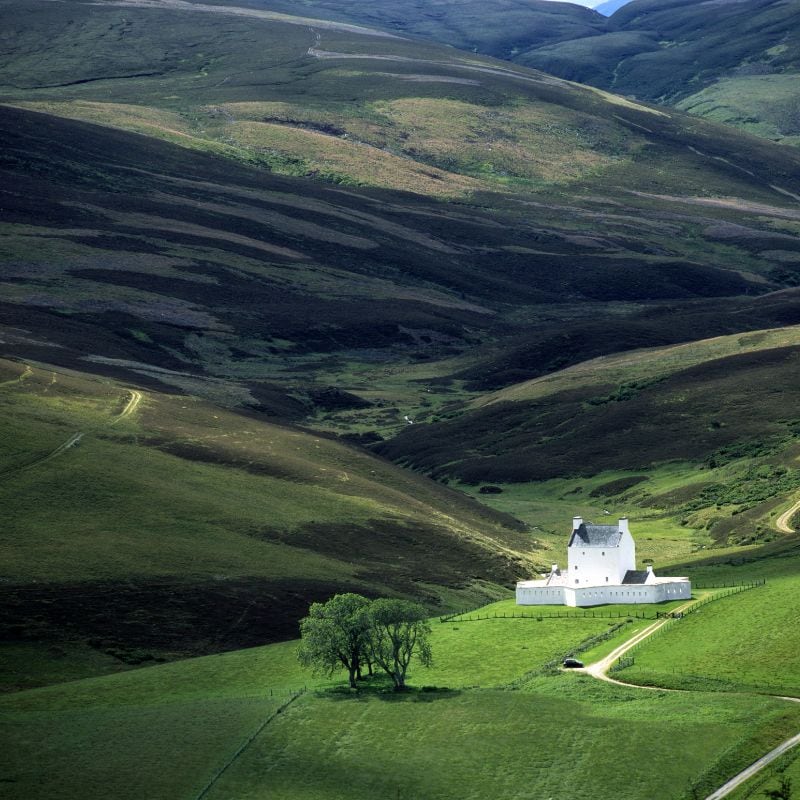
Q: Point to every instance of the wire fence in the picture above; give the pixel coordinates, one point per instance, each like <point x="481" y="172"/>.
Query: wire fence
<point x="596" y="613"/>
<point x="628" y="660"/>
<point x="473" y="616"/>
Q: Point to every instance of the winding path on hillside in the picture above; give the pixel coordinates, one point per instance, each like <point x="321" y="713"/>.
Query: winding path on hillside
<point x="21" y="377"/>
<point x="782" y="523"/>
<point x="75" y="439"/>
<point x="600" y="669"/>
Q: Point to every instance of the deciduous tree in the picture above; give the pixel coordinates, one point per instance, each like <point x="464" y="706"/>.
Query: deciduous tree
<point x="336" y="634"/>
<point x="399" y="628"/>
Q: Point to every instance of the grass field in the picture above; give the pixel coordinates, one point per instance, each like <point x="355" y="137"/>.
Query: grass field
<point x="166" y="731"/>
<point x="744" y="643"/>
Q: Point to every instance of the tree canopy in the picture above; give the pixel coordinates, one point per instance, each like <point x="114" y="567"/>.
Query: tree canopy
<point x="398" y="628"/>
<point x="351" y="631"/>
<point x="336" y="634"/>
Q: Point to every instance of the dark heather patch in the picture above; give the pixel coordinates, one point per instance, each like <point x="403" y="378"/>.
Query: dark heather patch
<point x="176" y="618"/>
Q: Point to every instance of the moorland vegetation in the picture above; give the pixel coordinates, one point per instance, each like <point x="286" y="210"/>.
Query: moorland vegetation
<point x="280" y="296"/>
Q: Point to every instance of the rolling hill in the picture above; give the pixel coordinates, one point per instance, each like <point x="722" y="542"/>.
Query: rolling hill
<point x="309" y="222"/>
<point x="736" y="63"/>
<point x="463" y="212"/>
<point x="145" y="526"/>
<point x="670" y="432"/>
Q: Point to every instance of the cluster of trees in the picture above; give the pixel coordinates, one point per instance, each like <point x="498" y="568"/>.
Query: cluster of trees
<point x="358" y="634"/>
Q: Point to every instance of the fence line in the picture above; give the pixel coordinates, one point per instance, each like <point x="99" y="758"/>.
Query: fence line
<point x="474" y="616"/>
<point x="553" y="665"/>
<point x="247" y="742"/>
<point x="627" y="660"/>
<point x="470" y="616"/>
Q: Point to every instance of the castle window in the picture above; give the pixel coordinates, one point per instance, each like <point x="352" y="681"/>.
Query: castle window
<point x="603" y="553"/>
<point x="606" y="578"/>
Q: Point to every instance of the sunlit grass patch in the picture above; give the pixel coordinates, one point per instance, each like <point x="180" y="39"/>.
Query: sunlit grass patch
<point x="747" y="642"/>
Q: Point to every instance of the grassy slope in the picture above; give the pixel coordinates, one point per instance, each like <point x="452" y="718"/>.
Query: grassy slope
<point x="108" y="735"/>
<point x="185" y="528"/>
<point x="501" y="30"/>
<point x="738" y="64"/>
<point x="153" y="232"/>
<point x="695" y="464"/>
<point x="742" y="643"/>
<point x="736" y="646"/>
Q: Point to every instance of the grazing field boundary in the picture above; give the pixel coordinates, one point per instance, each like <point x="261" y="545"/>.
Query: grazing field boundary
<point x="471" y="616"/>
<point x="246" y="743"/>
<point x="626" y="660"/>
<point x="551" y="667"/>
<point x="600" y="613"/>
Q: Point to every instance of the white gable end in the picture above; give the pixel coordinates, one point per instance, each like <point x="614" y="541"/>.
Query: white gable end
<point x="599" y="555"/>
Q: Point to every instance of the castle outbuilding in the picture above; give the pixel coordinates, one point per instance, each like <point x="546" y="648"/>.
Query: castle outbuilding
<point x="601" y="569"/>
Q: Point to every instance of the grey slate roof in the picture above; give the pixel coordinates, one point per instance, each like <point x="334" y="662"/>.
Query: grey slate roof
<point x="589" y="535"/>
<point x="633" y="576"/>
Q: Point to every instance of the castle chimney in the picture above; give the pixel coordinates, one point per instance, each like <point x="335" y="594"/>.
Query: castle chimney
<point x="623" y="525"/>
<point x="576" y="522"/>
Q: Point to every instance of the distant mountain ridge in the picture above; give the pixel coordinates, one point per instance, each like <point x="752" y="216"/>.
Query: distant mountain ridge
<point x="733" y="62"/>
<point x="610" y="6"/>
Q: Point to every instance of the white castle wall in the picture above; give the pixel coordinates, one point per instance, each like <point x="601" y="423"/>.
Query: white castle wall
<point x="531" y="594"/>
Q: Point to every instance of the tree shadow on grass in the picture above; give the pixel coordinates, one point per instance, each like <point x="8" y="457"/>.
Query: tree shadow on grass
<point x="380" y="688"/>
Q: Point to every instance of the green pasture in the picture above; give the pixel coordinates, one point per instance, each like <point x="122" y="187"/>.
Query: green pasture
<point x="744" y="643"/>
<point x="167" y="731"/>
<point x="493" y="743"/>
<point x="549" y="506"/>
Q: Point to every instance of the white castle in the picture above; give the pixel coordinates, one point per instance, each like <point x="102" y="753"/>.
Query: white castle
<point x="601" y="568"/>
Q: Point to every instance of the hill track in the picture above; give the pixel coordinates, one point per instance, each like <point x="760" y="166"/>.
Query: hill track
<point x="782" y="523"/>
<point x="756" y="766"/>
<point x="600" y="669"/>
<point x="237" y="11"/>
<point x="75" y="439"/>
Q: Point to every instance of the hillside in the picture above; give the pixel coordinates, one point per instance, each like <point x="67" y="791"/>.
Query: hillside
<point x="196" y="255"/>
<point x="142" y="526"/>
<point x="669" y="432"/>
<point x="736" y="63"/>
<point x="501" y="29"/>
<point x="137" y="734"/>
<point x="193" y="254"/>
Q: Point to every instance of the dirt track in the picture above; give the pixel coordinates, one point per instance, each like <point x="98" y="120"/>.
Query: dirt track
<point x="75" y="439"/>
<point x="600" y="669"/>
<point x="782" y="523"/>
